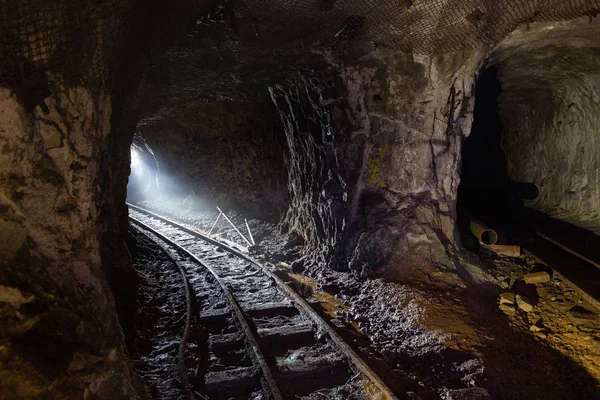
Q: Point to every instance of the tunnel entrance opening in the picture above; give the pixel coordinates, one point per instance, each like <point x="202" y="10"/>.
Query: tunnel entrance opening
<point x="485" y="191"/>
<point x="144" y="183"/>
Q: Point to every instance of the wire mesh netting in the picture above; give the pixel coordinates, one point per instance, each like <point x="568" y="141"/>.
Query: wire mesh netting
<point x="419" y="26"/>
<point x="83" y="41"/>
<point x="76" y="40"/>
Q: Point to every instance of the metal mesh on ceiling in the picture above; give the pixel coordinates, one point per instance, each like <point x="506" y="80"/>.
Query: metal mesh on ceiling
<point x="82" y="41"/>
<point x="419" y="26"/>
<point x="76" y="40"/>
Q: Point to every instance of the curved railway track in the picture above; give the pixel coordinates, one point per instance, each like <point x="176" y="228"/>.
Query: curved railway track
<point x="262" y="340"/>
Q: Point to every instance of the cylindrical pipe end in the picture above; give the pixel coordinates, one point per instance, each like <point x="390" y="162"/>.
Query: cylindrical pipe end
<point x="484" y="234"/>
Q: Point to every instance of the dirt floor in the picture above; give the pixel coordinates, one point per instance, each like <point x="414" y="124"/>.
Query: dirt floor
<point x="500" y="338"/>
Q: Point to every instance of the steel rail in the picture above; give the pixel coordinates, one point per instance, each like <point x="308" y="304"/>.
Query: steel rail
<point x="247" y="331"/>
<point x="360" y="365"/>
<point x="548" y="263"/>
<point x="568" y="249"/>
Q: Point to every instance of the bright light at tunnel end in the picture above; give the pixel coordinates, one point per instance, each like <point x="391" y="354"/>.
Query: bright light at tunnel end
<point x="135" y="159"/>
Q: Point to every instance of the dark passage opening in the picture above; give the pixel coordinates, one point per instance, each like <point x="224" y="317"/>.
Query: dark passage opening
<point x="485" y="190"/>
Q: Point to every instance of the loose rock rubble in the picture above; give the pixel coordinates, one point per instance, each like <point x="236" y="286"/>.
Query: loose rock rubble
<point x="536" y="277"/>
<point x="524" y="303"/>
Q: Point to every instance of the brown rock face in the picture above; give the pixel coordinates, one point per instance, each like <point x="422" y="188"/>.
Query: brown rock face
<point x="62" y="339"/>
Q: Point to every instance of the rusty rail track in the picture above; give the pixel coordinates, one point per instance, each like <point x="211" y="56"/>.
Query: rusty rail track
<point x="321" y="329"/>
<point x="240" y="319"/>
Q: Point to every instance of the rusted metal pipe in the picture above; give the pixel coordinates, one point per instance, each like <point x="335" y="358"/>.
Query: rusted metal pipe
<point x="482" y="232"/>
<point x="488" y="237"/>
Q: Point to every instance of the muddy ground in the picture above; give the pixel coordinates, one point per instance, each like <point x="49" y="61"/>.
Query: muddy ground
<point x="472" y="342"/>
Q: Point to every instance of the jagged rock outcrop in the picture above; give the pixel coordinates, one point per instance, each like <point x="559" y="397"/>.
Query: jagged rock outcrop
<point x="59" y="333"/>
<point x="374" y="163"/>
<point x="318" y="193"/>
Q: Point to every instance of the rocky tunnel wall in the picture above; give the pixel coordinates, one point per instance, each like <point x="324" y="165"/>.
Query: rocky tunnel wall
<point x="360" y="155"/>
<point x="384" y="184"/>
<point x="373" y="160"/>
<point x="65" y="130"/>
<point x="60" y="332"/>
<point x="379" y="195"/>
<point x="224" y="154"/>
<point x="549" y="105"/>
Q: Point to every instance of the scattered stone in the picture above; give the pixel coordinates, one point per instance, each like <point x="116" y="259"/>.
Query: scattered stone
<point x="507" y="298"/>
<point x="541" y="335"/>
<point x="506" y="309"/>
<point x="524" y="303"/>
<point x="537" y="326"/>
<point x="337" y="323"/>
<point x="285" y="265"/>
<point x="537" y="277"/>
<point x="579" y="314"/>
<point x="472" y="371"/>
<point x="14" y="296"/>
<point x="22" y="328"/>
<point x="473" y="393"/>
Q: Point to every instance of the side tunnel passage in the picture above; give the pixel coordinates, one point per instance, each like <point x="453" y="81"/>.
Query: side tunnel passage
<point x="486" y="190"/>
<point x="530" y="165"/>
<point x="549" y="116"/>
<point x="534" y="142"/>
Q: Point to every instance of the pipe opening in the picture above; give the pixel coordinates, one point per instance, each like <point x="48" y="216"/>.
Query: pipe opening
<point x="489" y="237"/>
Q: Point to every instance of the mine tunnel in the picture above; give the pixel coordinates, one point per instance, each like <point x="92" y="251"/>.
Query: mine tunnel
<point x="226" y="199"/>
